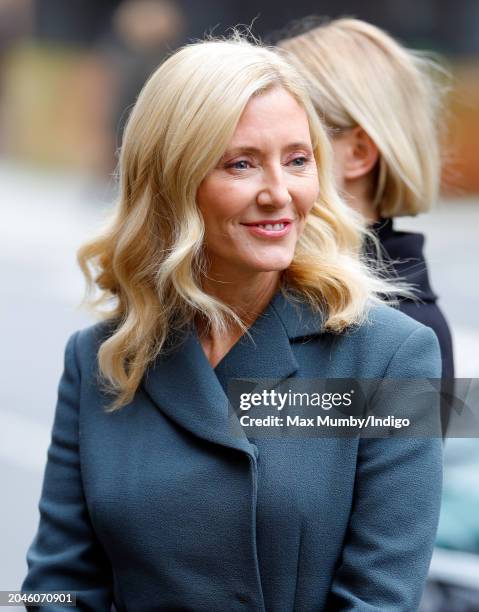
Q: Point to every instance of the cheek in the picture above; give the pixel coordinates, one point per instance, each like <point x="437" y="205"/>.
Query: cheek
<point x="309" y="195"/>
<point x="221" y="201"/>
<point x="206" y="198"/>
<point x="212" y="208"/>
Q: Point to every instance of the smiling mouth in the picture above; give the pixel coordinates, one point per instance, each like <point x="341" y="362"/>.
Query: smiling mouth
<point x="272" y="227"/>
<point x="272" y="230"/>
<point x="276" y="226"/>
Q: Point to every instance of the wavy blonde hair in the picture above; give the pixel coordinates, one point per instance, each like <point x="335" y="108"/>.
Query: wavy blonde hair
<point x="359" y="75"/>
<point x="149" y="261"/>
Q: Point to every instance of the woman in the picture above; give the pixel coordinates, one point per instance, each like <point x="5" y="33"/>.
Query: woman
<point x="381" y="102"/>
<point x="228" y="220"/>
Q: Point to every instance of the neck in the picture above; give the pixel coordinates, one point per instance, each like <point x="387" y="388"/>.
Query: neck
<point x="358" y="196"/>
<point x="246" y="295"/>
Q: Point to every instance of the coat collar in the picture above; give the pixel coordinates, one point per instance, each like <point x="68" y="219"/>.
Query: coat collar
<point x="185" y="387"/>
<point x="405" y="252"/>
<point x="298" y="318"/>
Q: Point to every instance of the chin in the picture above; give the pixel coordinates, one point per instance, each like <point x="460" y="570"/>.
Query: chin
<point x="273" y="264"/>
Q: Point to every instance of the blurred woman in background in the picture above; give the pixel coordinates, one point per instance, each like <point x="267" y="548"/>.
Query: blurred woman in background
<point x="382" y="104"/>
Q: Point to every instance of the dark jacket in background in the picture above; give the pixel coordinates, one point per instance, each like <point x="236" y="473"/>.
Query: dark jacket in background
<point x="404" y="252"/>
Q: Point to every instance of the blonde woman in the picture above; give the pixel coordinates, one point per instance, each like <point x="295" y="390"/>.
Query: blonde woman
<point x="230" y="255"/>
<point x="381" y="102"/>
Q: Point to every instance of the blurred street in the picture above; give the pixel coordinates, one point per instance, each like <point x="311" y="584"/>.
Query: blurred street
<point x="44" y="218"/>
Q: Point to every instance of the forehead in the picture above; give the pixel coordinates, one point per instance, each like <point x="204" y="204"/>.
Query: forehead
<point x="274" y="114"/>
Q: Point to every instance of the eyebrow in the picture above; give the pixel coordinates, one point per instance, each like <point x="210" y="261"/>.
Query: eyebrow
<point x="255" y="150"/>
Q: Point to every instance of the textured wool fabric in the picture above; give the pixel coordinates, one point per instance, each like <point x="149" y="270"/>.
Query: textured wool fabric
<point x="160" y="507"/>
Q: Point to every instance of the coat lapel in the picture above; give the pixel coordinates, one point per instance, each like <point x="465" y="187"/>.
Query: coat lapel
<point x="298" y="318"/>
<point x="185" y="387"/>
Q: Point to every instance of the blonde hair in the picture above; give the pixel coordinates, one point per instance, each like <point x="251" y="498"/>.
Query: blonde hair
<point x="359" y="75"/>
<point x="149" y="259"/>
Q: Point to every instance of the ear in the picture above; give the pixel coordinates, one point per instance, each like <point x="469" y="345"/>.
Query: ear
<point x="361" y="154"/>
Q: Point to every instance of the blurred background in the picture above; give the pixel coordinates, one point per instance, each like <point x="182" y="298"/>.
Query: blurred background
<point x="69" y="73"/>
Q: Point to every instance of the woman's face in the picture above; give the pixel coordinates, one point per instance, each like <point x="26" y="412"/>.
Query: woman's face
<point x="255" y="202"/>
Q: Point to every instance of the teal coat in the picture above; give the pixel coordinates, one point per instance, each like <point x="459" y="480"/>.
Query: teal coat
<point x="160" y="507"/>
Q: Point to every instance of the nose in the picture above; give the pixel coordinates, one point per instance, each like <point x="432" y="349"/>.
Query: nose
<point x="274" y="190"/>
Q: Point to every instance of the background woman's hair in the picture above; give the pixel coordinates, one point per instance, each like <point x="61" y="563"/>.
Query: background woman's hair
<point x="359" y="75"/>
<point x="149" y="261"/>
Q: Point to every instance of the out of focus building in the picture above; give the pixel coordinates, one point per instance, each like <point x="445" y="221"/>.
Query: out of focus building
<point x="71" y="70"/>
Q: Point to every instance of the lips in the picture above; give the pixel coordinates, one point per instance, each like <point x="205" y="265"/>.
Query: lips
<point x="269" y="228"/>
<point x="270" y="224"/>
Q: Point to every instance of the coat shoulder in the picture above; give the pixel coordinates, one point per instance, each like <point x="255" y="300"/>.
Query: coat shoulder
<point x="390" y="324"/>
<point x="89" y="339"/>
<point x="389" y="343"/>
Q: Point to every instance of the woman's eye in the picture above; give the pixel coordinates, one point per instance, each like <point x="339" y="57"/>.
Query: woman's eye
<point x="299" y="161"/>
<point x="241" y="164"/>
